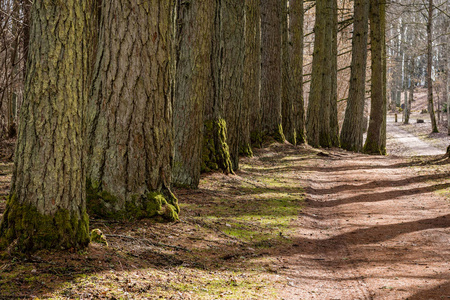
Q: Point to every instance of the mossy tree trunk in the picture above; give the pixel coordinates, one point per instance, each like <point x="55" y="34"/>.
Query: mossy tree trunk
<point x="434" y="127"/>
<point x="374" y="142"/>
<point x="231" y="69"/>
<point x="287" y="101"/>
<point x="47" y="204"/>
<point x="192" y="87"/>
<point x="271" y="70"/>
<point x="352" y="128"/>
<point x="252" y="71"/>
<point x="216" y="153"/>
<point x="296" y="62"/>
<point x="130" y="113"/>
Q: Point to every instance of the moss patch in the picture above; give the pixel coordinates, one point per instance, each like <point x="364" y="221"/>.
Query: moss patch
<point x="160" y="205"/>
<point x="215" y="152"/>
<point x="25" y="229"/>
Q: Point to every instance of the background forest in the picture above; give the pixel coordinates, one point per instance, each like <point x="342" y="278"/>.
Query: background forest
<point x="108" y="107"/>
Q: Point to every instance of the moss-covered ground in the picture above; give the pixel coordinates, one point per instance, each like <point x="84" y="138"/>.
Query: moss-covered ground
<point x="223" y="247"/>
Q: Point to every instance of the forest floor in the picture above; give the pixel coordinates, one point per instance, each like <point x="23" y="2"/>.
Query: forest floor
<point x="293" y="223"/>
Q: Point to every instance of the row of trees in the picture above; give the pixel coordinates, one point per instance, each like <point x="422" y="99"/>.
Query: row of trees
<point x="124" y="99"/>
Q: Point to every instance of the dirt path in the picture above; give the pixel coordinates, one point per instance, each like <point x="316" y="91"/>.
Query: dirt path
<point x="373" y="228"/>
<point x="407" y="144"/>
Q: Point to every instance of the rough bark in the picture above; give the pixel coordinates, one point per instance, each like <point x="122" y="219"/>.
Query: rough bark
<point x="215" y="153"/>
<point x="271" y="70"/>
<point x="334" y="122"/>
<point x="352" y="128"/>
<point x="250" y="114"/>
<point x="192" y="87"/>
<point x="130" y="113"/>
<point x="296" y="29"/>
<point x="46" y="207"/>
<point x="287" y="105"/>
<point x="319" y="110"/>
<point x="374" y="144"/>
<point x="434" y="127"/>
<point x="232" y="70"/>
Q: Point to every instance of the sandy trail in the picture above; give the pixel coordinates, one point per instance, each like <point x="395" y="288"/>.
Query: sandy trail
<point x="373" y="228"/>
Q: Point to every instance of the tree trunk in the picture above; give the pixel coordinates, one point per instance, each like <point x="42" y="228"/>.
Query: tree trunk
<point x="434" y="127"/>
<point x="46" y="207"/>
<point x="216" y="153"/>
<point x="318" y="123"/>
<point x="232" y="70"/>
<point x="271" y="70"/>
<point x="334" y="122"/>
<point x="352" y="128"/>
<point x="373" y="143"/>
<point x="296" y="29"/>
<point x="130" y="114"/>
<point x="287" y="105"/>
<point x="252" y="72"/>
<point x="194" y="35"/>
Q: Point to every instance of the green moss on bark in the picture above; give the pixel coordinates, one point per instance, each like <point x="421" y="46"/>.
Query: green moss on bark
<point x="163" y="206"/>
<point x="215" y="152"/>
<point x="246" y="150"/>
<point x="27" y="230"/>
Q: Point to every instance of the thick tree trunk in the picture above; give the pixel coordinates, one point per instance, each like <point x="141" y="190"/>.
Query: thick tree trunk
<point x="271" y="70"/>
<point x="46" y="207"/>
<point x="194" y="35"/>
<point x="296" y="29"/>
<point x="374" y="144"/>
<point x="434" y="127"/>
<point x="352" y="128"/>
<point x="287" y="105"/>
<point x="232" y="70"/>
<point x="252" y="73"/>
<point x="130" y="113"/>
<point x="216" y="153"/>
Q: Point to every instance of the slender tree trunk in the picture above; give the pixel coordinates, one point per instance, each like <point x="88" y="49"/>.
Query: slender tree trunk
<point x="271" y="70"/>
<point x="352" y="128"/>
<point x="46" y="207"/>
<point x="334" y="122"/>
<point x="216" y="153"/>
<point x="194" y="35"/>
<point x="250" y="115"/>
<point x="287" y="105"/>
<point x="315" y="102"/>
<point x="434" y="127"/>
<point x="319" y="120"/>
<point x="232" y="70"/>
<point x="296" y="29"/>
<point x="130" y="113"/>
<point x="374" y="143"/>
<point x="382" y="5"/>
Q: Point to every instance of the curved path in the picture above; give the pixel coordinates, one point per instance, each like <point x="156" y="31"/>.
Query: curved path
<point x="373" y="228"/>
<point x="411" y="145"/>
